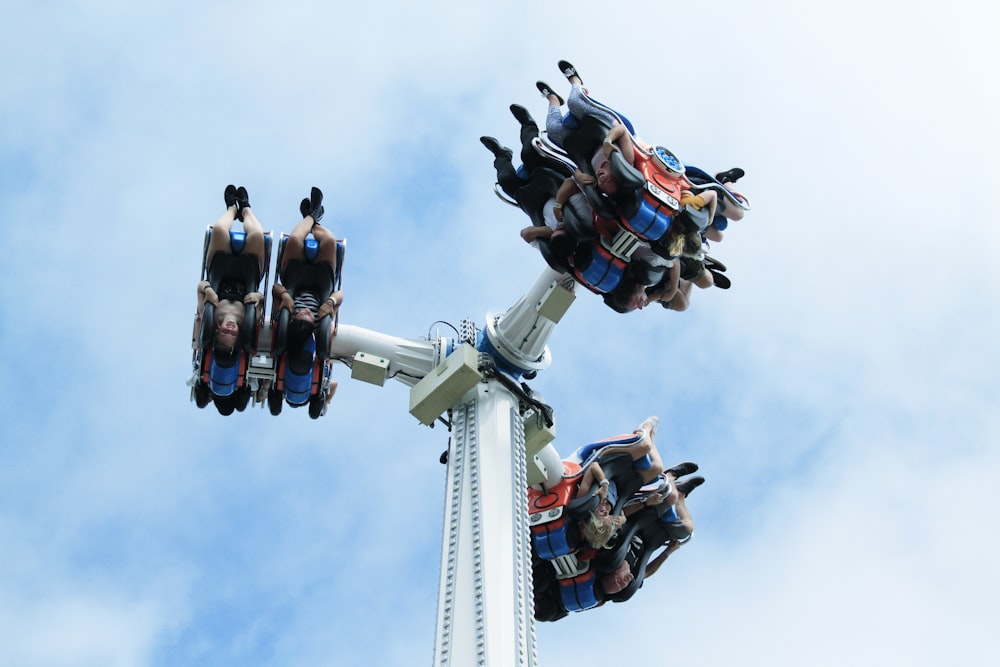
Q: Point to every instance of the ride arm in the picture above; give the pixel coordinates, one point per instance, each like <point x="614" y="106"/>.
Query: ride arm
<point x="636" y="450"/>
<point x="648" y="501"/>
<point x="199" y="309"/>
<point x="203" y="326"/>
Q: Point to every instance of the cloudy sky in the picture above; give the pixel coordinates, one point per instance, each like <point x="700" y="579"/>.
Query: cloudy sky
<point x="840" y="398"/>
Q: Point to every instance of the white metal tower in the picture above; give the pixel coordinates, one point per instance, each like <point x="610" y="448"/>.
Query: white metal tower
<point x="485" y="611"/>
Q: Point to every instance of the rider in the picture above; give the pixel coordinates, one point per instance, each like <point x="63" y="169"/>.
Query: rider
<point x="619" y="137"/>
<point x="307" y="298"/>
<point x="578" y="102"/>
<point x="646" y="463"/>
<point x="674" y="523"/>
<point x="229" y="294"/>
<point x="540" y="186"/>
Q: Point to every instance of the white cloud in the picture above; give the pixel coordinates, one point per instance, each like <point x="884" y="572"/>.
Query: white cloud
<point x="839" y="397"/>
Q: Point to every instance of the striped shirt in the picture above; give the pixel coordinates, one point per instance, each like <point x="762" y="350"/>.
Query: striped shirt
<point x="306" y="299"/>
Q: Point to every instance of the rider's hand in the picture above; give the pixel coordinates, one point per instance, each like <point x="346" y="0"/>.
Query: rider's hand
<point x="255" y="298"/>
<point x="328" y="307"/>
<point x="210" y="296"/>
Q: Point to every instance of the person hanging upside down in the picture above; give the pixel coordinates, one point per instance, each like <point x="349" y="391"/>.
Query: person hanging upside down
<point x="673" y="527"/>
<point x="231" y="296"/>
<point x="579" y="104"/>
<point x="620" y="137"/>
<point x="603" y="525"/>
<point x="306" y="287"/>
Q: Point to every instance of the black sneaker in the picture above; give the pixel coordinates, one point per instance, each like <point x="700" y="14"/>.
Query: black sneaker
<point x="546" y="90"/>
<point x="522" y="115"/>
<point x="497" y="149"/>
<point x="569" y="71"/>
<point x="242" y="202"/>
<point x="730" y="175"/>
<point x="230" y="195"/>
<point x="682" y="469"/>
<point x="313" y="206"/>
<point x="722" y="281"/>
<point x="713" y="264"/>
<point x="689" y="485"/>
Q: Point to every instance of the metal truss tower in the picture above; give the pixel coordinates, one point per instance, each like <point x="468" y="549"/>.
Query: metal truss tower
<point x="485" y="613"/>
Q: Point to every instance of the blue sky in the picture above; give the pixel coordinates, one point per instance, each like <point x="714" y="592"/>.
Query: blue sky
<point x="840" y="398"/>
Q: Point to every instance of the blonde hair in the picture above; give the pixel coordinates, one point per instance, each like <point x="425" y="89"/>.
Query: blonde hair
<point x="686" y="244"/>
<point x="599" y="531"/>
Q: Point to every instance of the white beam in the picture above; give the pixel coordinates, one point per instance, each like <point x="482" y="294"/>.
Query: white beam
<point x="485" y="602"/>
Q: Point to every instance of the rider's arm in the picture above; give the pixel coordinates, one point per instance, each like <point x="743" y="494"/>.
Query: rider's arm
<point x="668" y="287"/>
<point x="655" y="564"/>
<point x="593" y="475"/>
<point x="332" y="303"/>
<point x="206" y="293"/>
<point x="534" y="233"/>
<point x="281" y="297"/>
<point x="618" y="138"/>
<point x="568" y="188"/>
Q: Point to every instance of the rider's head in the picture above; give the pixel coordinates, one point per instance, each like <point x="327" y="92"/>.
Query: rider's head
<point x="615" y="582"/>
<point x="300" y="329"/>
<point x="601" y="526"/>
<point x="602" y="170"/>
<point x="226" y="336"/>
<point x="629" y="295"/>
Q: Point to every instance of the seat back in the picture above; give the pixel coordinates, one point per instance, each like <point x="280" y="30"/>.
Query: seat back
<point x="245" y="269"/>
<point x="223" y="375"/>
<point x="299" y="371"/>
<point x="583" y="141"/>
<point x="554" y="532"/>
<point x="596" y="268"/>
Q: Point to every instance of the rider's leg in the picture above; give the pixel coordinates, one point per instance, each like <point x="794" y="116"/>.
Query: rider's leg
<point x="295" y="246"/>
<point x="254" y="243"/>
<point x="219" y="241"/>
<point x="327" y="251"/>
